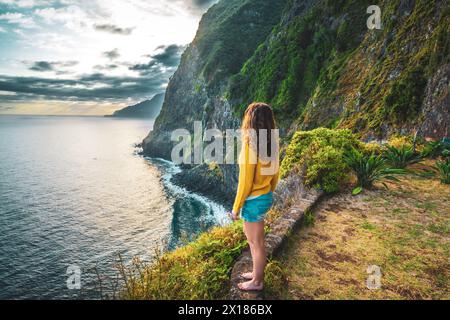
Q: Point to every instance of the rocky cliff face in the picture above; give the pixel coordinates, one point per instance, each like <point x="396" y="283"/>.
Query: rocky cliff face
<point x="324" y="67"/>
<point x="318" y="64"/>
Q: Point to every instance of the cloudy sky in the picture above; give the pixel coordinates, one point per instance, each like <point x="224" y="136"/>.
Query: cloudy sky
<point x="90" y="57"/>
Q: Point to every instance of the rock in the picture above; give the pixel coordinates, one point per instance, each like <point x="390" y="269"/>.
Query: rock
<point x="201" y="179"/>
<point x="436" y="105"/>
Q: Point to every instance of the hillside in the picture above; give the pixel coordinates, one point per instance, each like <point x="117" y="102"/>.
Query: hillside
<point x="145" y="109"/>
<point x="325" y="68"/>
<point x="318" y="64"/>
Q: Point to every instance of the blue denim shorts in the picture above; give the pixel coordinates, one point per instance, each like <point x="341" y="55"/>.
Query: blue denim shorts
<point x="255" y="209"/>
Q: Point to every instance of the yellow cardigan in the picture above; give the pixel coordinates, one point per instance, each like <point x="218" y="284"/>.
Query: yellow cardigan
<point x="251" y="180"/>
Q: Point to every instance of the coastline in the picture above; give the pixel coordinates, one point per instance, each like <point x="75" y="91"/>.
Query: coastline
<point x="214" y="213"/>
<point x="205" y="180"/>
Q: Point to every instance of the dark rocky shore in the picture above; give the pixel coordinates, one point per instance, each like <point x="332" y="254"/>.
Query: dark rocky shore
<point x="203" y="180"/>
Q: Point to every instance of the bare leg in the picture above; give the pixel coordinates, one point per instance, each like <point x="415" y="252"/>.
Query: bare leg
<point x="255" y="236"/>
<point x="248" y="275"/>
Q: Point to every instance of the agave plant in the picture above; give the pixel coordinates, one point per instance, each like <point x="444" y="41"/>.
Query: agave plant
<point x="443" y="168"/>
<point x="434" y="149"/>
<point x="401" y="157"/>
<point x="369" y="169"/>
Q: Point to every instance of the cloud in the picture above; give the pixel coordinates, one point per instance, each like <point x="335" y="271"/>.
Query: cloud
<point x="72" y="16"/>
<point x="171" y="55"/>
<point x="111" y="28"/>
<point x="112" y="55"/>
<point x="196" y="6"/>
<point x="89" y="87"/>
<point x="106" y="67"/>
<point x="45" y="66"/>
<point x="25" y="3"/>
<point x="169" y="58"/>
<point x="18" y="18"/>
<point x="42" y="66"/>
<point x="203" y="3"/>
<point x="32" y="60"/>
<point x="6" y="108"/>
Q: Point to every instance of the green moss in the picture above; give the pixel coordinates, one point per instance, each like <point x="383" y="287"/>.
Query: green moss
<point x="404" y="100"/>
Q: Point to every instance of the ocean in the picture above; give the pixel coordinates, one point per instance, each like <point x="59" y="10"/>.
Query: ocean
<point x="75" y="191"/>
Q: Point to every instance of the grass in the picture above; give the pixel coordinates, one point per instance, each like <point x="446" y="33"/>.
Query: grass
<point x="404" y="230"/>
<point x="199" y="270"/>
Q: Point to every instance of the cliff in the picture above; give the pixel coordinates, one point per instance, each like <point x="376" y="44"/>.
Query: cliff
<point x="324" y="67"/>
<point x="318" y="64"/>
<point x="228" y="35"/>
<point x="148" y="109"/>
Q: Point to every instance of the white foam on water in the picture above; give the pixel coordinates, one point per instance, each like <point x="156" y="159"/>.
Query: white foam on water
<point x="219" y="213"/>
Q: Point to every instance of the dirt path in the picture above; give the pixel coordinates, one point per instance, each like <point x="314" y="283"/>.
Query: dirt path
<point x="404" y="230"/>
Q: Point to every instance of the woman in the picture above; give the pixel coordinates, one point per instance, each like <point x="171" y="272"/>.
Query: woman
<point x="258" y="177"/>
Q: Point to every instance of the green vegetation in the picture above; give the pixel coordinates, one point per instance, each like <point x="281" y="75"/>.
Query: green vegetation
<point x="443" y="169"/>
<point x="285" y="70"/>
<point x="435" y="149"/>
<point x="403" y="102"/>
<point x="317" y="73"/>
<point x="219" y="36"/>
<point x="215" y="170"/>
<point x="199" y="270"/>
<point x="318" y="156"/>
<point x="401" y="157"/>
<point x="309" y="218"/>
<point x="369" y="169"/>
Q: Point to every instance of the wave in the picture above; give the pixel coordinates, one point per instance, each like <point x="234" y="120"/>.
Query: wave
<point x="218" y="213"/>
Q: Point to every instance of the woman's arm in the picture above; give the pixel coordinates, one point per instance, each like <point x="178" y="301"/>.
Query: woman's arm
<point x="246" y="176"/>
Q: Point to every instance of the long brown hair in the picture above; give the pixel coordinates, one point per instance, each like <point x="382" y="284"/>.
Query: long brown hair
<point x="259" y="116"/>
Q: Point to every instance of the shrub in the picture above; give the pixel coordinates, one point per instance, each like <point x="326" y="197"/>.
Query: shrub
<point x="215" y="169"/>
<point x="400" y="141"/>
<point x="373" y="148"/>
<point x="199" y="270"/>
<point x="318" y="156"/>
<point x="369" y="169"/>
<point x="434" y="149"/>
<point x="401" y="157"/>
<point x="443" y="169"/>
<point x="275" y="279"/>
